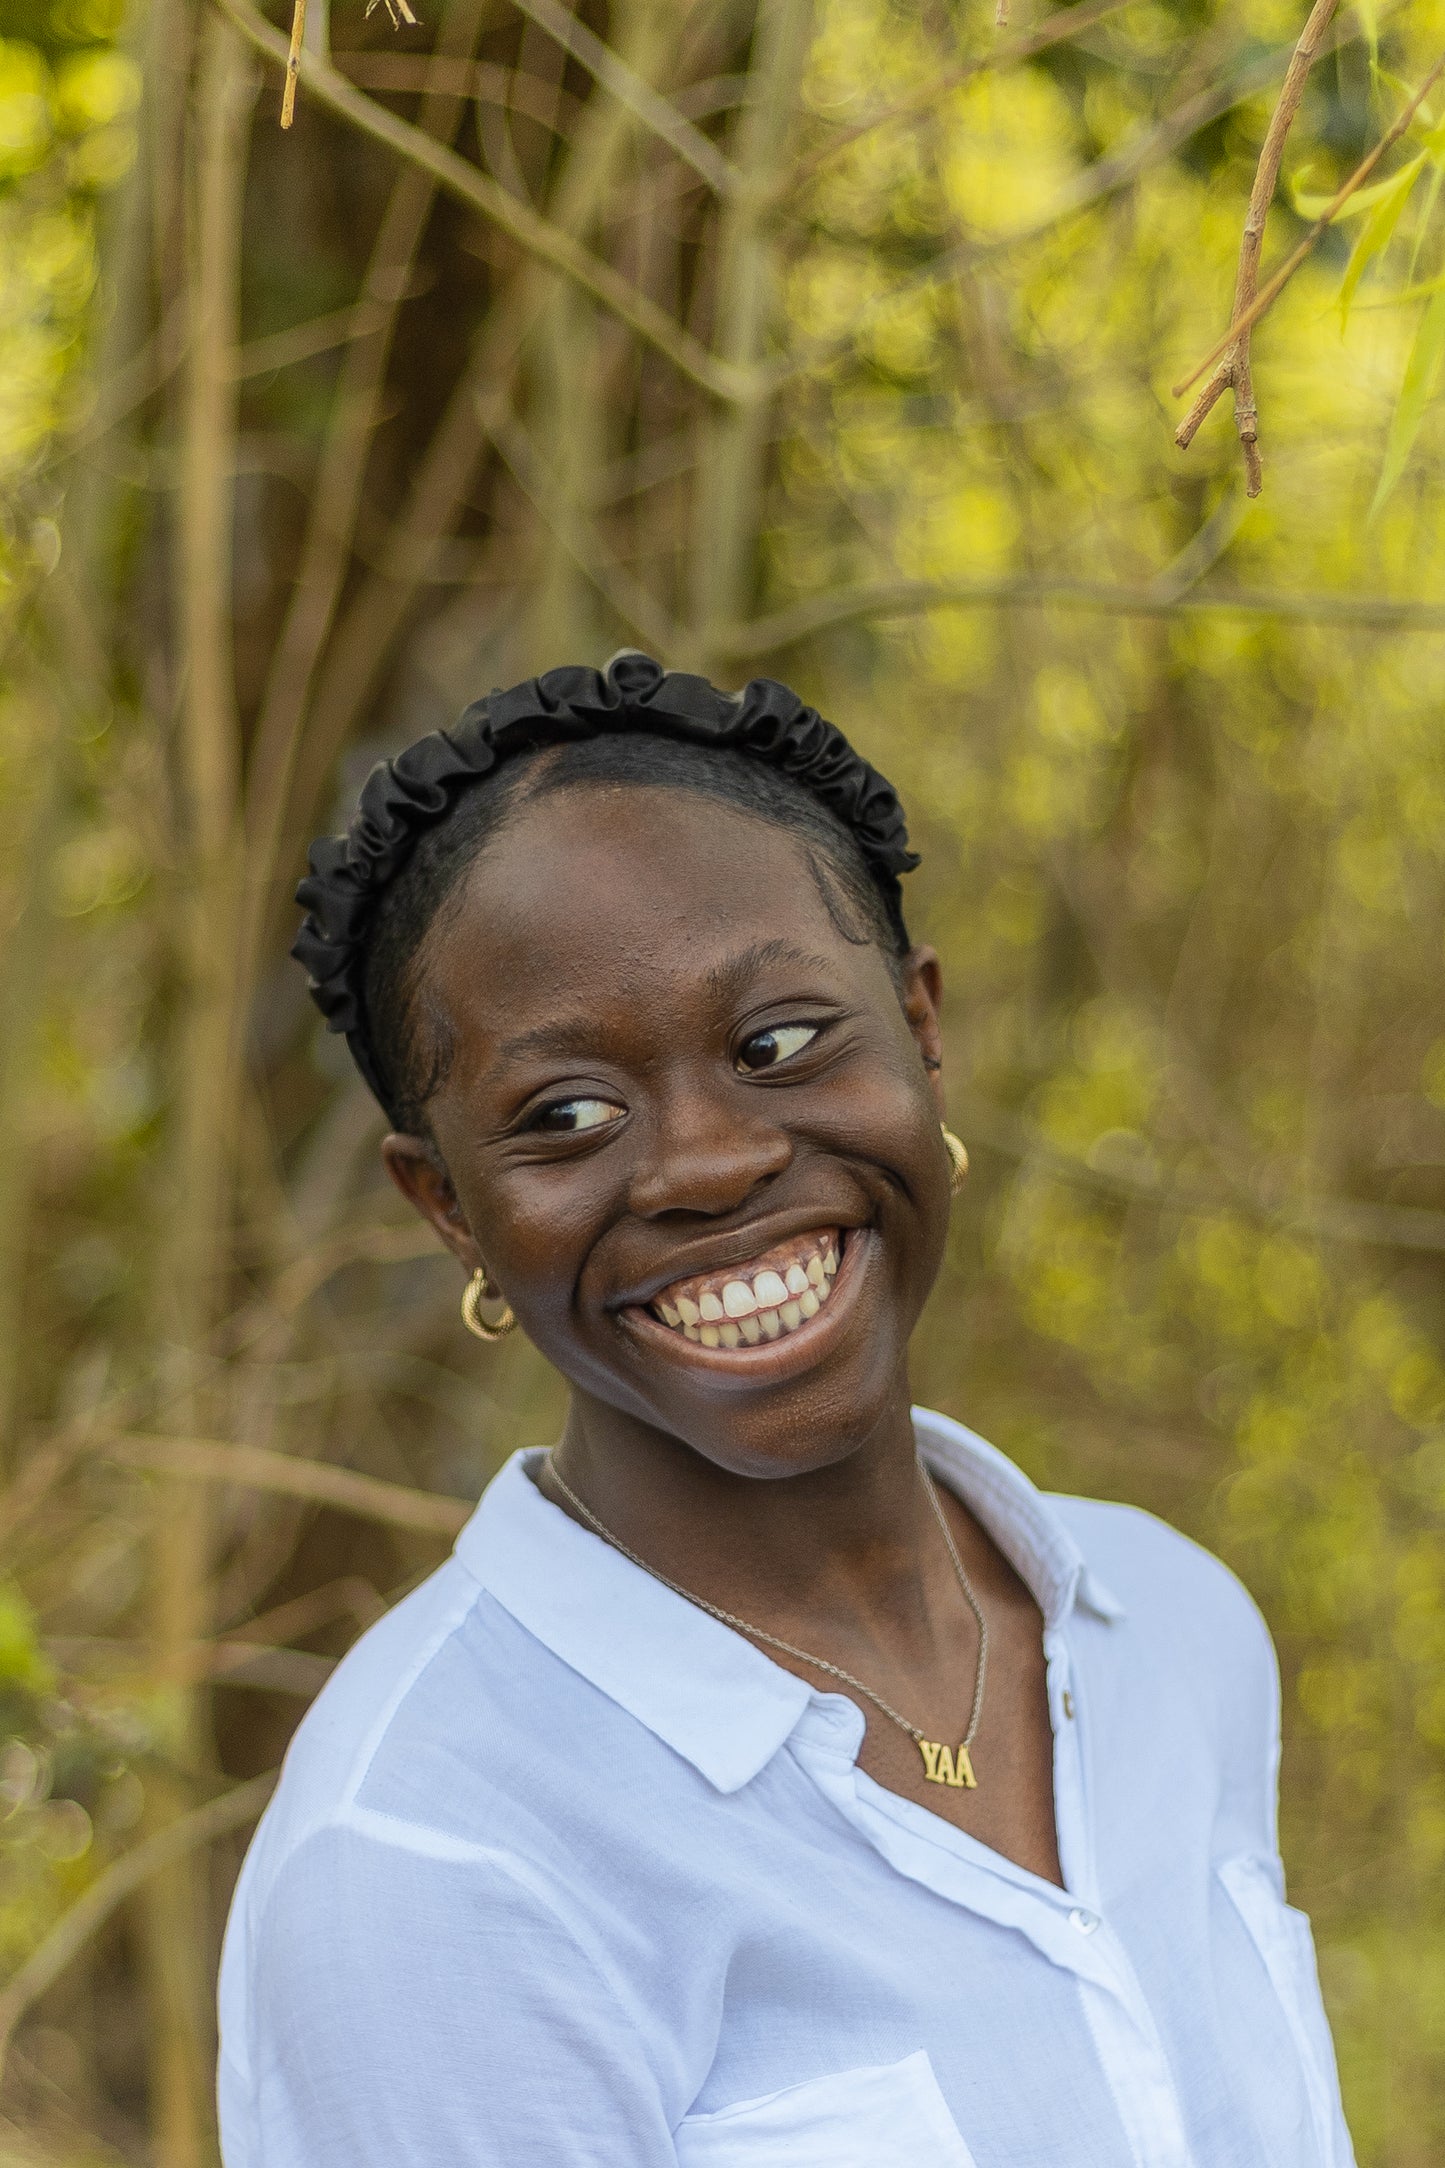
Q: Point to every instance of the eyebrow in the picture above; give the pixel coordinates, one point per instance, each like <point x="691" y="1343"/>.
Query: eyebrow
<point x="725" y="981"/>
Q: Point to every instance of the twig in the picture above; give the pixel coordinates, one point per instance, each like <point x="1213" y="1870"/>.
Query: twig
<point x="1120" y="170"/>
<point x="624" y="594"/>
<point x="257" y="1467"/>
<point x="1064" y="23"/>
<point x="1234" y="371"/>
<point x="1275" y="284"/>
<point x="628" y="88"/>
<point x="748" y="642"/>
<point x="536" y="235"/>
<point x="293" y="63"/>
<point x="68" y="1937"/>
<point x="1331" y="1219"/>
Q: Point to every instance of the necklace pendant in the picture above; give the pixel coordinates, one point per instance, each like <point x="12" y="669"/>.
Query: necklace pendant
<point x="942" y="1766"/>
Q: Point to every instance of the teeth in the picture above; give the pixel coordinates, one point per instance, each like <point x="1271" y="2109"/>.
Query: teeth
<point x="736" y="1315"/>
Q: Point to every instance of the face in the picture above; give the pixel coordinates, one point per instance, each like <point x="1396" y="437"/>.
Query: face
<point x="690" y="1127"/>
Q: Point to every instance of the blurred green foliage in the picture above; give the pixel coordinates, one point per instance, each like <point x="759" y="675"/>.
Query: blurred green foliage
<point x="1184" y="869"/>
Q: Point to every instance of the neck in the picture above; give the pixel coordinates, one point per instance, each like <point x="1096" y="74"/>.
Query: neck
<point x="852" y="1542"/>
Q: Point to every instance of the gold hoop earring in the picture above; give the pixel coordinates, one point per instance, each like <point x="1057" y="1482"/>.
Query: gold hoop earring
<point x="485" y="1328"/>
<point x="957" y="1159"/>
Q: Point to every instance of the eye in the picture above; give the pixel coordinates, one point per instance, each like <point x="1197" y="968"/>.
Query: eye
<point x="765" y="1049"/>
<point x="569" y="1117"/>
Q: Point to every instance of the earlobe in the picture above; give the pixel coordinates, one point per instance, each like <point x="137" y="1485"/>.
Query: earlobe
<point x="419" y="1173"/>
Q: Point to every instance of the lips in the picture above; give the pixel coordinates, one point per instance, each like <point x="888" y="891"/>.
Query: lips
<point x="766" y="1298"/>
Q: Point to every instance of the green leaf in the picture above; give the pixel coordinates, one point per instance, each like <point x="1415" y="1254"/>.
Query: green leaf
<point x="1369" y="14"/>
<point x="1378" y="229"/>
<point x="1363" y="199"/>
<point x="1422" y="372"/>
<point x="1422" y="223"/>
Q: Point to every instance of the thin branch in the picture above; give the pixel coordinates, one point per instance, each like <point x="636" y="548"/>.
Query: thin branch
<point x="910" y="598"/>
<point x="1234" y="371"/>
<point x="527" y="228"/>
<point x="300" y="342"/>
<point x="479" y="80"/>
<point x="293" y="63"/>
<point x="628" y="88"/>
<point x="624" y="594"/>
<point x="1106" y="177"/>
<point x="233" y="1810"/>
<point x="257" y="1467"/>
<point x="335" y="495"/>
<point x="1276" y="284"/>
<point x="1063" y="24"/>
<point x="1331" y="1219"/>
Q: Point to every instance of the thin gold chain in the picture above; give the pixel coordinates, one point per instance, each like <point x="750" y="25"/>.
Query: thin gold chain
<point x="789" y="1648"/>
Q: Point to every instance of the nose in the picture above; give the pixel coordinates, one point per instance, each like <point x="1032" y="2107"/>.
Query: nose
<point x="707" y="1154"/>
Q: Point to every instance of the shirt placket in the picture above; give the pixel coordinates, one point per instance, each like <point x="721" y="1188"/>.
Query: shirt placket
<point x="1121" y="2024"/>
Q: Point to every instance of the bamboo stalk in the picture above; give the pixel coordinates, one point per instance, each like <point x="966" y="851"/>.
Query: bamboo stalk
<point x="730" y="475"/>
<point x="538" y="236"/>
<point x="371" y="624"/>
<point x="193" y="1258"/>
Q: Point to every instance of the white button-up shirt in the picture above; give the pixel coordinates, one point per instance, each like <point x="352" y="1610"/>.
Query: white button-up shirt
<point x="563" y="1873"/>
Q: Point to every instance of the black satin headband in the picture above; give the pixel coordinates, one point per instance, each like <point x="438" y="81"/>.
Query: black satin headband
<point x="402" y="797"/>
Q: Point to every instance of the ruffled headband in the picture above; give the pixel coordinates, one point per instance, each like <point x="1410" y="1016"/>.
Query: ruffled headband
<point x="402" y="797"/>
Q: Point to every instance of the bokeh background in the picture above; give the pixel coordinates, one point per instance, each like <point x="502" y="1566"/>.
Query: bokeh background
<point x="831" y="339"/>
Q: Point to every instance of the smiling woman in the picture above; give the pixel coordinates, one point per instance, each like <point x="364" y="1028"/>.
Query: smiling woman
<point x="773" y="1775"/>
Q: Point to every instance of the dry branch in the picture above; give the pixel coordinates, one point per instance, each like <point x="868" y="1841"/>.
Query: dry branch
<point x="531" y="232"/>
<point x="628" y="88"/>
<point x="1056" y="29"/>
<point x="1234" y="371"/>
<point x="293" y="63"/>
<point x="1247" y="317"/>
<point x="1138" y="155"/>
<point x="257" y="1467"/>
<point x="764" y="636"/>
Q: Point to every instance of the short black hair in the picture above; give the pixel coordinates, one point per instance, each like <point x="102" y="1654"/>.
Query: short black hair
<point x="411" y="1043"/>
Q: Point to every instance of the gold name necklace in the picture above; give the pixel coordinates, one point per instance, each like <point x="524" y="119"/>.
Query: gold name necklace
<point x="941" y="1765"/>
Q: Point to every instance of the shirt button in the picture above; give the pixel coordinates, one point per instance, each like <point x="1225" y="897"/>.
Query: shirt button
<point x="1068" y="1705"/>
<point x="1083" y="1923"/>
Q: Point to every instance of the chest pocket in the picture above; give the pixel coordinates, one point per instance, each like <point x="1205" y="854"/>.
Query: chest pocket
<point x="1282" y="1937"/>
<point x="889" y="2116"/>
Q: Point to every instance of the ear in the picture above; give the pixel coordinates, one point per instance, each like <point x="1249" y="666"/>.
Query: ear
<point x="922" y="1004"/>
<point x="420" y="1175"/>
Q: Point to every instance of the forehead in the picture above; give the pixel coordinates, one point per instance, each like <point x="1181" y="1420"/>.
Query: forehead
<point x="608" y="894"/>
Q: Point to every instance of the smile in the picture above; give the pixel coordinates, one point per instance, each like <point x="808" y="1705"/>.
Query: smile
<point x="767" y="1298"/>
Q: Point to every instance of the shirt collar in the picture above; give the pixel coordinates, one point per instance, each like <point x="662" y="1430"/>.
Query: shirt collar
<point x="708" y="1692"/>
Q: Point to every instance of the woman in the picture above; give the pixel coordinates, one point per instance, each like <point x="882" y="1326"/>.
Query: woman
<point x="772" y="1775"/>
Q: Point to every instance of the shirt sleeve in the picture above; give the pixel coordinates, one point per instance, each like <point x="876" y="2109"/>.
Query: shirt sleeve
<point x="410" y="2010"/>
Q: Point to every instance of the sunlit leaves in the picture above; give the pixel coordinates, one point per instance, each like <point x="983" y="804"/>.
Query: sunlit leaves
<point x="1422" y="375"/>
